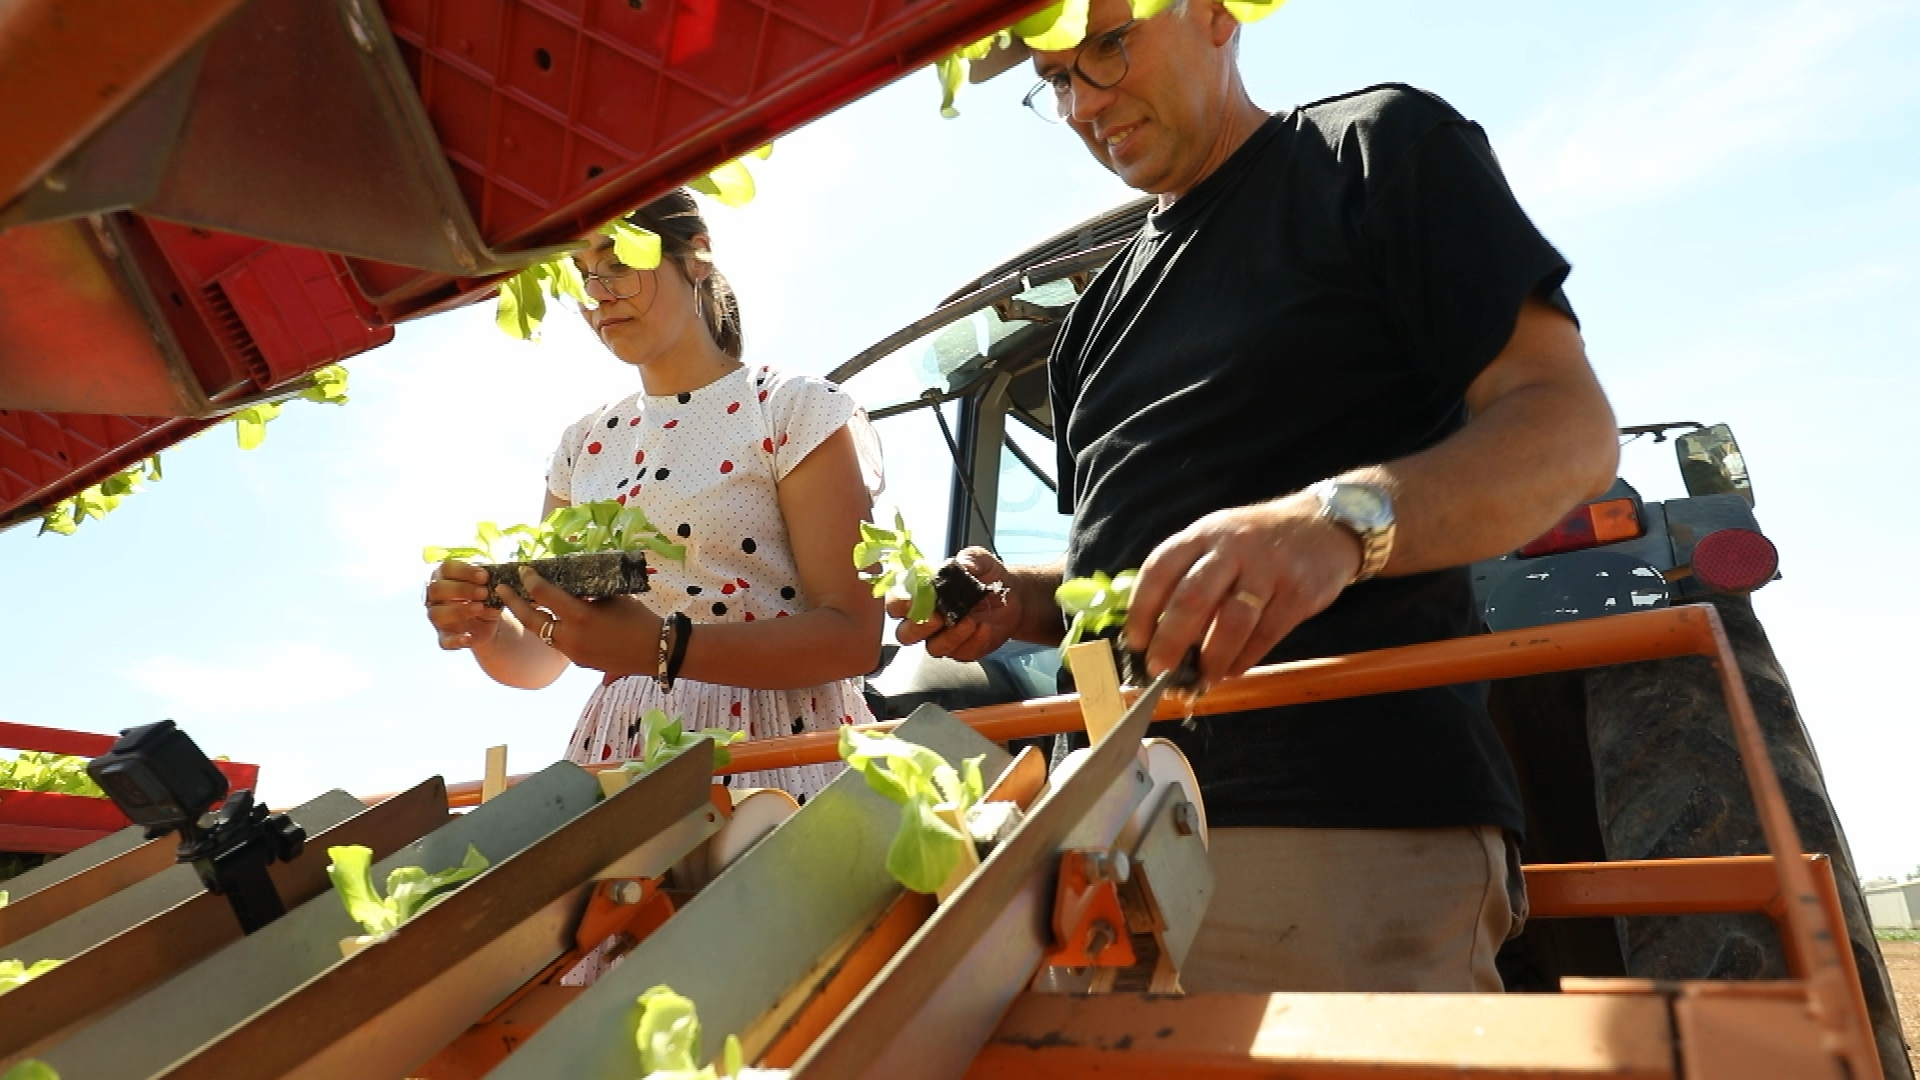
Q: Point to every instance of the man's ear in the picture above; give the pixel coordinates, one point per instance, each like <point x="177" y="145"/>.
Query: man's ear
<point x="1221" y="25"/>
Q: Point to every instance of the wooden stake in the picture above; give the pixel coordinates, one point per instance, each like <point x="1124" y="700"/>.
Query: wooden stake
<point x="495" y="780"/>
<point x="1098" y="683"/>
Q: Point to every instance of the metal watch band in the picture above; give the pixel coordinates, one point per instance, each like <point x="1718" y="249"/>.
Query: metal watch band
<point x="1376" y="537"/>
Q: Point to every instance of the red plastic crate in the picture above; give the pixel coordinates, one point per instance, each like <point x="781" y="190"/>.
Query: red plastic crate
<point x="45" y="822"/>
<point x="280" y="312"/>
<point x="250" y="316"/>
<point x="556" y="114"/>
<point x="45" y="457"/>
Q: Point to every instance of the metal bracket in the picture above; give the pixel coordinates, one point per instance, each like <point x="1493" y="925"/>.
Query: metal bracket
<point x="1089" y="923"/>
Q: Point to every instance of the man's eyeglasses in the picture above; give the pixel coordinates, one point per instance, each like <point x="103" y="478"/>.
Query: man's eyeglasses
<point x="1100" y="62"/>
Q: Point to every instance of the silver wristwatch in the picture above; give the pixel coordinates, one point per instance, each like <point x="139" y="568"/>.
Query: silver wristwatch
<point x="1368" y="511"/>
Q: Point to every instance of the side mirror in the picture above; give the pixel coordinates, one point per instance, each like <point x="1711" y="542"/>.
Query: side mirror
<point x="1710" y="463"/>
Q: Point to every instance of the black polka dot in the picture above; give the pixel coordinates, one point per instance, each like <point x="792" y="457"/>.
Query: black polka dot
<point x="660" y="474"/>
<point x="727" y="781"/>
<point x="801" y="798"/>
<point x="685" y="530"/>
<point x="787" y="593"/>
<point x="684" y="398"/>
<point x="799" y="725"/>
<point x="748" y="545"/>
<point x="719" y="609"/>
<point x="622" y="483"/>
<point x="613" y="421"/>
<point x="693" y="590"/>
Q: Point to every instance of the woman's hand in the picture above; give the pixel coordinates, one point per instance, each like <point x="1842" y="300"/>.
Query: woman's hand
<point x="618" y="635"/>
<point x="457" y="605"/>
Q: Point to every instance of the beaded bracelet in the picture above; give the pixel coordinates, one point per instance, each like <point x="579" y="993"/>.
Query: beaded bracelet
<point x="661" y="677"/>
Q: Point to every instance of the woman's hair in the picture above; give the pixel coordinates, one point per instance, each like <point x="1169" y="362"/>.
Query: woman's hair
<point x="676" y="218"/>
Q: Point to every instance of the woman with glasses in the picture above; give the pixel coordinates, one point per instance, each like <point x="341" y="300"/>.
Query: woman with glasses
<point x="762" y="476"/>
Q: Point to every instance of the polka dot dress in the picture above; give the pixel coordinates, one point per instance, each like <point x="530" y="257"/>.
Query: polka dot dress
<point x="704" y="466"/>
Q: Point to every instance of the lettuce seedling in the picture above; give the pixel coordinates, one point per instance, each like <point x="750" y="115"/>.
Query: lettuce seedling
<point x="925" y="848"/>
<point x="410" y="889"/>
<point x="1095" y="603"/>
<point x="61" y="773"/>
<point x="903" y="571"/>
<point x="15" y="972"/>
<point x="31" y="1069"/>
<point x="667" y="1032"/>
<point x="664" y="738"/>
<point x="585" y="529"/>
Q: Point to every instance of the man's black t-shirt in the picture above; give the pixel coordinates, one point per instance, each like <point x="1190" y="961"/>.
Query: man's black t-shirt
<point x="1320" y="303"/>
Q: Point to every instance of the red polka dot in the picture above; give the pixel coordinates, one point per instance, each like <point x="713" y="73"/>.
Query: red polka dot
<point x="635" y="422"/>
<point x="767" y="445"/>
<point x="727" y="590"/>
<point x="763" y="395"/>
<point x="742" y="582"/>
<point x="621" y="499"/>
<point x="640" y="458"/>
<point x="653" y="569"/>
<point x="736" y="708"/>
<point x="846" y="719"/>
<point x="606" y="752"/>
<point x="749" y="616"/>
<point x="779" y="614"/>
<point x="733" y="408"/>
<point x="593" y="448"/>
<point x="635" y="492"/>
<point x="671" y="423"/>
<point x="726" y="467"/>
<point x="783" y="438"/>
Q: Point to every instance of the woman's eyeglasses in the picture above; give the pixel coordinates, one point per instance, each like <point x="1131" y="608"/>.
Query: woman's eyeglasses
<point x="621" y="284"/>
<point x="1100" y="62"/>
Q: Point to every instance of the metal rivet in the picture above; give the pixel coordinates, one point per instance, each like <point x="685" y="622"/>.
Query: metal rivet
<point x="1186" y="820"/>
<point x="1100" y="937"/>
<point x="625" y="892"/>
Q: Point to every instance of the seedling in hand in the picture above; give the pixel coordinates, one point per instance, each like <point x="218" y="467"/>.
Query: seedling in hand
<point x="1098" y="603"/>
<point x="905" y="573"/>
<point x="593" y="549"/>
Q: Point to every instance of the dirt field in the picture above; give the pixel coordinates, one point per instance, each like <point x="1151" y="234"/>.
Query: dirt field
<point x="1903" y="964"/>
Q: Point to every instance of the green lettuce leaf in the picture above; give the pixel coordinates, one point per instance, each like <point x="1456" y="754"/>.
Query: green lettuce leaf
<point x="925" y="848"/>
<point x="14" y="973"/>
<point x="410" y="889"/>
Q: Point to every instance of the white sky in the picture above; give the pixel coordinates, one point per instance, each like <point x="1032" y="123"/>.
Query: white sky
<point x="1737" y="186"/>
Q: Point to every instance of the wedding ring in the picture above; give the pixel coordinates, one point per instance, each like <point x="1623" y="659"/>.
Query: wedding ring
<point x="1251" y="599"/>
<point x="546" y="630"/>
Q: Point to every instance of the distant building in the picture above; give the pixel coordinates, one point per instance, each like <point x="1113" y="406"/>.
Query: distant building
<point x="1893" y="905"/>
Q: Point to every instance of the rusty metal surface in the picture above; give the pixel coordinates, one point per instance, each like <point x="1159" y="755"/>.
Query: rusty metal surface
<point x="77" y="332"/>
<point x="1670" y="784"/>
<point x="62" y="78"/>
<point x="132" y="940"/>
<point x="1326" y="1036"/>
<point x="936" y="1002"/>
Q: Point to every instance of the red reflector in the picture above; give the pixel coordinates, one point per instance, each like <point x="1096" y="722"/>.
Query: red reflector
<point x="1735" y="560"/>
<point x="1588" y="526"/>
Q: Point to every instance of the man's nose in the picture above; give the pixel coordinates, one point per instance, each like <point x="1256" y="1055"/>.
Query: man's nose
<point x="1087" y="101"/>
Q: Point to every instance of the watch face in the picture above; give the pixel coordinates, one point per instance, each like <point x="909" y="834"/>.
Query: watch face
<point x="1360" y="503"/>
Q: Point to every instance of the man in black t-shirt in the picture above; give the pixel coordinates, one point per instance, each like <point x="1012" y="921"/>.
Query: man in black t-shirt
<point x="1335" y="367"/>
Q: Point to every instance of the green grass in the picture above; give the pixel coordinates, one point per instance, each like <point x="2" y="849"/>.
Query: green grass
<point x="1896" y="935"/>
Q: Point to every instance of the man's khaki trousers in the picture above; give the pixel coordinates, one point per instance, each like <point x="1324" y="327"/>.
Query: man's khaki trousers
<point x="1356" y="910"/>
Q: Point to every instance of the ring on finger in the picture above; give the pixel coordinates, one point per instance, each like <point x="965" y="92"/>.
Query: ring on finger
<point x="546" y="630"/>
<point x="1250" y="598"/>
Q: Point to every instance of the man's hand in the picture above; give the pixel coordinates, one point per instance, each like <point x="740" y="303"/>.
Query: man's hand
<point x="1236" y="582"/>
<point x="617" y="635"/>
<point x="988" y="626"/>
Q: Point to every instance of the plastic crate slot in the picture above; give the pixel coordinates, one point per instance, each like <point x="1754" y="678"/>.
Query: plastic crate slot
<point x="233" y="334"/>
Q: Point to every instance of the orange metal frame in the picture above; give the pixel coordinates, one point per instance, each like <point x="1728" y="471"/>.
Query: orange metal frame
<point x="1795" y="891"/>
